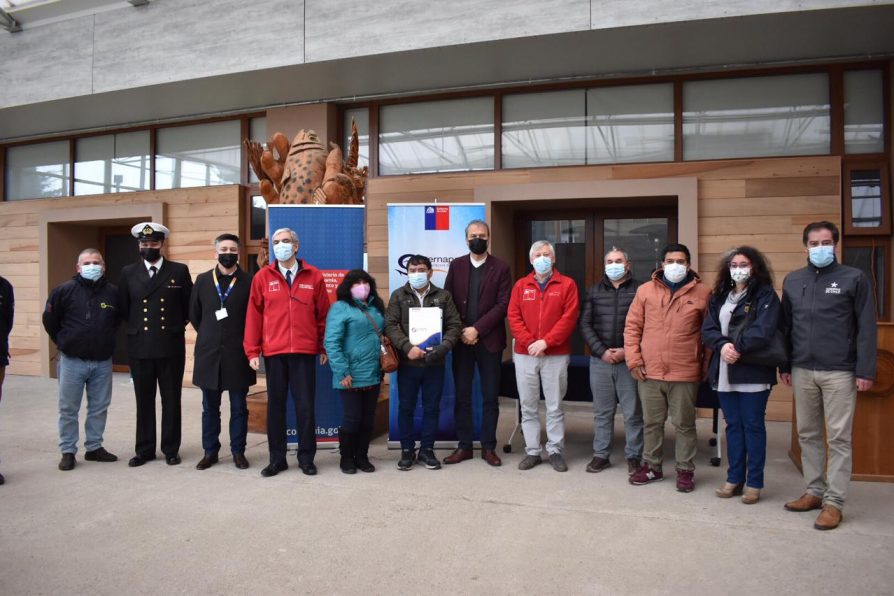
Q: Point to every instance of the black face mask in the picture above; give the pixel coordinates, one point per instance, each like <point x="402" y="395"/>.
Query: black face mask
<point x="150" y="255"/>
<point x="478" y="246"/>
<point x="227" y="260"/>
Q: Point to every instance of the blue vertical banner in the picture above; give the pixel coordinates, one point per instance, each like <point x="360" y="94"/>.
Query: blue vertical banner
<point x="437" y="231"/>
<point x="330" y="237"/>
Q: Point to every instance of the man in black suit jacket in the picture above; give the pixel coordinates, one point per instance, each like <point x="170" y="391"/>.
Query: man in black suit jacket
<point x="481" y="285"/>
<point x="155" y="304"/>
<point x="217" y="311"/>
<point x="7" y="309"/>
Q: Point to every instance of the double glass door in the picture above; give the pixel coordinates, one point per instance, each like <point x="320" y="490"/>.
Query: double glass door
<point x="582" y="238"/>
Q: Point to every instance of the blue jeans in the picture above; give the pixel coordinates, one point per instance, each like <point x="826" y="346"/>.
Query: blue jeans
<point x="211" y="420"/>
<point x="409" y="381"/>
<point x="74" y="375"/>
<point x="746" y="436"/>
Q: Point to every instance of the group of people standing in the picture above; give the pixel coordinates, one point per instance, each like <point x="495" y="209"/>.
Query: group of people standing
<point x="653" y="345"/>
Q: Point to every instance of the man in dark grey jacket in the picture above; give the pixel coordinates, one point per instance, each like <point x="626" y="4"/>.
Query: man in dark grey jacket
<point x="831" y="325"/>
<point x="602" y="325"/>
<point x="421" y="366"/>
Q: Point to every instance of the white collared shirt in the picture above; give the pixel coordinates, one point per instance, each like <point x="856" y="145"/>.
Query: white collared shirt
<point x="423" y="294"/>
<point x="156" y="264"/>
<point x="283" y="270"/>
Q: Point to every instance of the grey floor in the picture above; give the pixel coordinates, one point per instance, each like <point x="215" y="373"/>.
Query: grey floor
<point x="110" y="529"/>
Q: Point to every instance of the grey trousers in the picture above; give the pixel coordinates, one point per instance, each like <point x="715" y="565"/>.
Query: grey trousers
<point x="612" y="384"/>
<point x="825" y="401"/>
<point x="550" y="372"/>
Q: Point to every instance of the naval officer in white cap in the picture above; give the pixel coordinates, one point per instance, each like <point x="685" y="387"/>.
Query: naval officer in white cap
<point x="155" y="302"/>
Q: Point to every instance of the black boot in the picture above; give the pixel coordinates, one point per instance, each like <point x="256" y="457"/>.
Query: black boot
<point x="346" y="442"/>
<point x="361" y="451"/>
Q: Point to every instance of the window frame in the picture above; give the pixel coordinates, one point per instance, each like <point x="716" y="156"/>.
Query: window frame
<point x="850" y="165"/>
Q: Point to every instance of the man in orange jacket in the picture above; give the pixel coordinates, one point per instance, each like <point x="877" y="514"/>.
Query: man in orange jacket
<point x="542" y="316"/>
<point x="285" y="321"/>
<point x="663" y="349"/>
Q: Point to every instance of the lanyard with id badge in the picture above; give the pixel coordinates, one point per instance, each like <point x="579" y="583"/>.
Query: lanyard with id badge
<point x="222" y="313"/>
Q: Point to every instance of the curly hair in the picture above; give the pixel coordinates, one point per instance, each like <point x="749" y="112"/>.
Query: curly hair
<point x="343" y="291"/>
<point x="761" y="273"/>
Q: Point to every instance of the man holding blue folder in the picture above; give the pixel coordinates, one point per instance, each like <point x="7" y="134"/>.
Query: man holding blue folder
<point x="422" y="357"/>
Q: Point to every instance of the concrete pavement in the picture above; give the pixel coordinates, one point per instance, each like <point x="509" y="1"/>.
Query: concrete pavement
<point x="110" y="529"/>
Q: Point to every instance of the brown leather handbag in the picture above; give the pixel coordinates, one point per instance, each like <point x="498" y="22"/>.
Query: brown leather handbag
<point x="388" y="356"/>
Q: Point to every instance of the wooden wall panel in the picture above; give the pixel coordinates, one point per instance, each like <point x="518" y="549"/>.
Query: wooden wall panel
<point x="195" y="216"/>
<point x="763" y="202"/>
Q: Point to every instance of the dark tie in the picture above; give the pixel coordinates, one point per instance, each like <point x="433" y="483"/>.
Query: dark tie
<point x="152" y="271"/>
<point x="289" y="277"/>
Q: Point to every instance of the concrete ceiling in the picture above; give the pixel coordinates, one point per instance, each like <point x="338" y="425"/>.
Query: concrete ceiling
<point x="718" y="44"/>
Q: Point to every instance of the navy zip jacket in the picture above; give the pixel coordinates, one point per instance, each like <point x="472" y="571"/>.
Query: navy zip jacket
<point x="604" y="314"/>
<point x="754" y="337"/>
<point x="81" y="317"/>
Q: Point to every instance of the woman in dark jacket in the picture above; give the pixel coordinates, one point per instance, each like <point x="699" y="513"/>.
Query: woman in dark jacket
<point x="742" y="319"/>
<point x="353" y="346"/>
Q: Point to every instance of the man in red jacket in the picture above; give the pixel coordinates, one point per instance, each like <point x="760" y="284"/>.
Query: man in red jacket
<point x="285" y="322"/>
<point x="542" y="316"/>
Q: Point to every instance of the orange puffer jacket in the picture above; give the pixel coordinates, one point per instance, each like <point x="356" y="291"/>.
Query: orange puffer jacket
<point x="663" y="330"/>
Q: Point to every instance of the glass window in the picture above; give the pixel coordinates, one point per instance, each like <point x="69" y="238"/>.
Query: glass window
<point x="866" y="198"/>
<point x="756" y="117"/>
<point x="544" y="129"/>
<point x="258" y="217"/>
<point x="437" y="136"/>
<point x="642" y="240"/>
<point x="559" y="231"/>
<point x="198" y="155"/>
<point x="112" y="163"/>
<point x="257" y="131"/>
<point x="630" y="124"/>
<point x="864" y="112"/>
<point x="37" y="171"/>
<point x="361" y="117"/>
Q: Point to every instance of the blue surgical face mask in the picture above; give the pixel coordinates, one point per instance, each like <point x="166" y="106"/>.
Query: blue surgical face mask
<point x="615" y="271"/>
<point x="91" y="272"/>
<point x="283" y="251"/>
<point x="821" y="256"/>
<point x="418" y="280"/>
<point x="543" y="265"/>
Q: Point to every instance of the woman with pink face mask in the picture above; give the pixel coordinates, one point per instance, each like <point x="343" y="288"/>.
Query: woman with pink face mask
<point x="352" y="344"/>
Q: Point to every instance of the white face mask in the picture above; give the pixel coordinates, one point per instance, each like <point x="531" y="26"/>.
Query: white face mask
<point x="283" y="251"/>
<point x="615" y="271"/>
<point x="675" y="272"/>
<point x="543" y="265"/>
<point x="740" y="274"/>
<point x="91" y="272"/>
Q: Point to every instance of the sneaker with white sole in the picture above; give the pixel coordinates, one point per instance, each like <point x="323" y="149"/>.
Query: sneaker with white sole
<point x="646" y="475"/>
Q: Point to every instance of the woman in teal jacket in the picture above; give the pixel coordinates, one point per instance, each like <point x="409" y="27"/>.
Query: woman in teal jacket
<point x="353" y="346"/>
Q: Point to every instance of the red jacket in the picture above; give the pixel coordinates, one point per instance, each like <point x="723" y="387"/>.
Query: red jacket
<point x="550" y="314"/>
<point x="280" y="321"/>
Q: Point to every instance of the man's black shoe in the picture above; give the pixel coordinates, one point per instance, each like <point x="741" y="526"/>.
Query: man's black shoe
<point x="427" y="458"/>
<point x="2" y="480"/>
<point x="274" y="469"/>
<point x="138" y="460"/>
<point x="100" y="454"/>
<point x="407" y="457"/>
<point x="173" y="460"/>
<point x="240" y="461"/>
<point x="68" y="462"/>
<point x="309" y="469"/>
<point x="206" y="462"/>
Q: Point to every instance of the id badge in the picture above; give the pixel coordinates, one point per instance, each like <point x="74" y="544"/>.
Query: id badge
<point x="221" y="314"/>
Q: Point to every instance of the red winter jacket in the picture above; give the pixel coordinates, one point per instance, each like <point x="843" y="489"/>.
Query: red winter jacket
<point x="280" y="321"/>
<point x="550" y="314"/>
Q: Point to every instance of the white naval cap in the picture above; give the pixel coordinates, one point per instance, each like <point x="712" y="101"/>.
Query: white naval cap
<point x="149" y="230"/>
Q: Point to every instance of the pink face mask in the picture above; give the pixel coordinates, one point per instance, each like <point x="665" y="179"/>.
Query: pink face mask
<point x="360" y="292"/>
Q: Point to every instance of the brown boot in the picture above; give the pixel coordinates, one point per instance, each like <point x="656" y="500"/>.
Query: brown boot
<point x="806" y="502"/>
<point x="828" y="519"/>
<point x="751" y="495"/>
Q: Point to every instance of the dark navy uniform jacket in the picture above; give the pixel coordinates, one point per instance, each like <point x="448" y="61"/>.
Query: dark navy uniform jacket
<point x="155" y="310"/>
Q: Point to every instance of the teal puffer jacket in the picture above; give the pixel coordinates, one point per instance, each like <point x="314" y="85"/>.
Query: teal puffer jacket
<point x="352" y="344"/>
